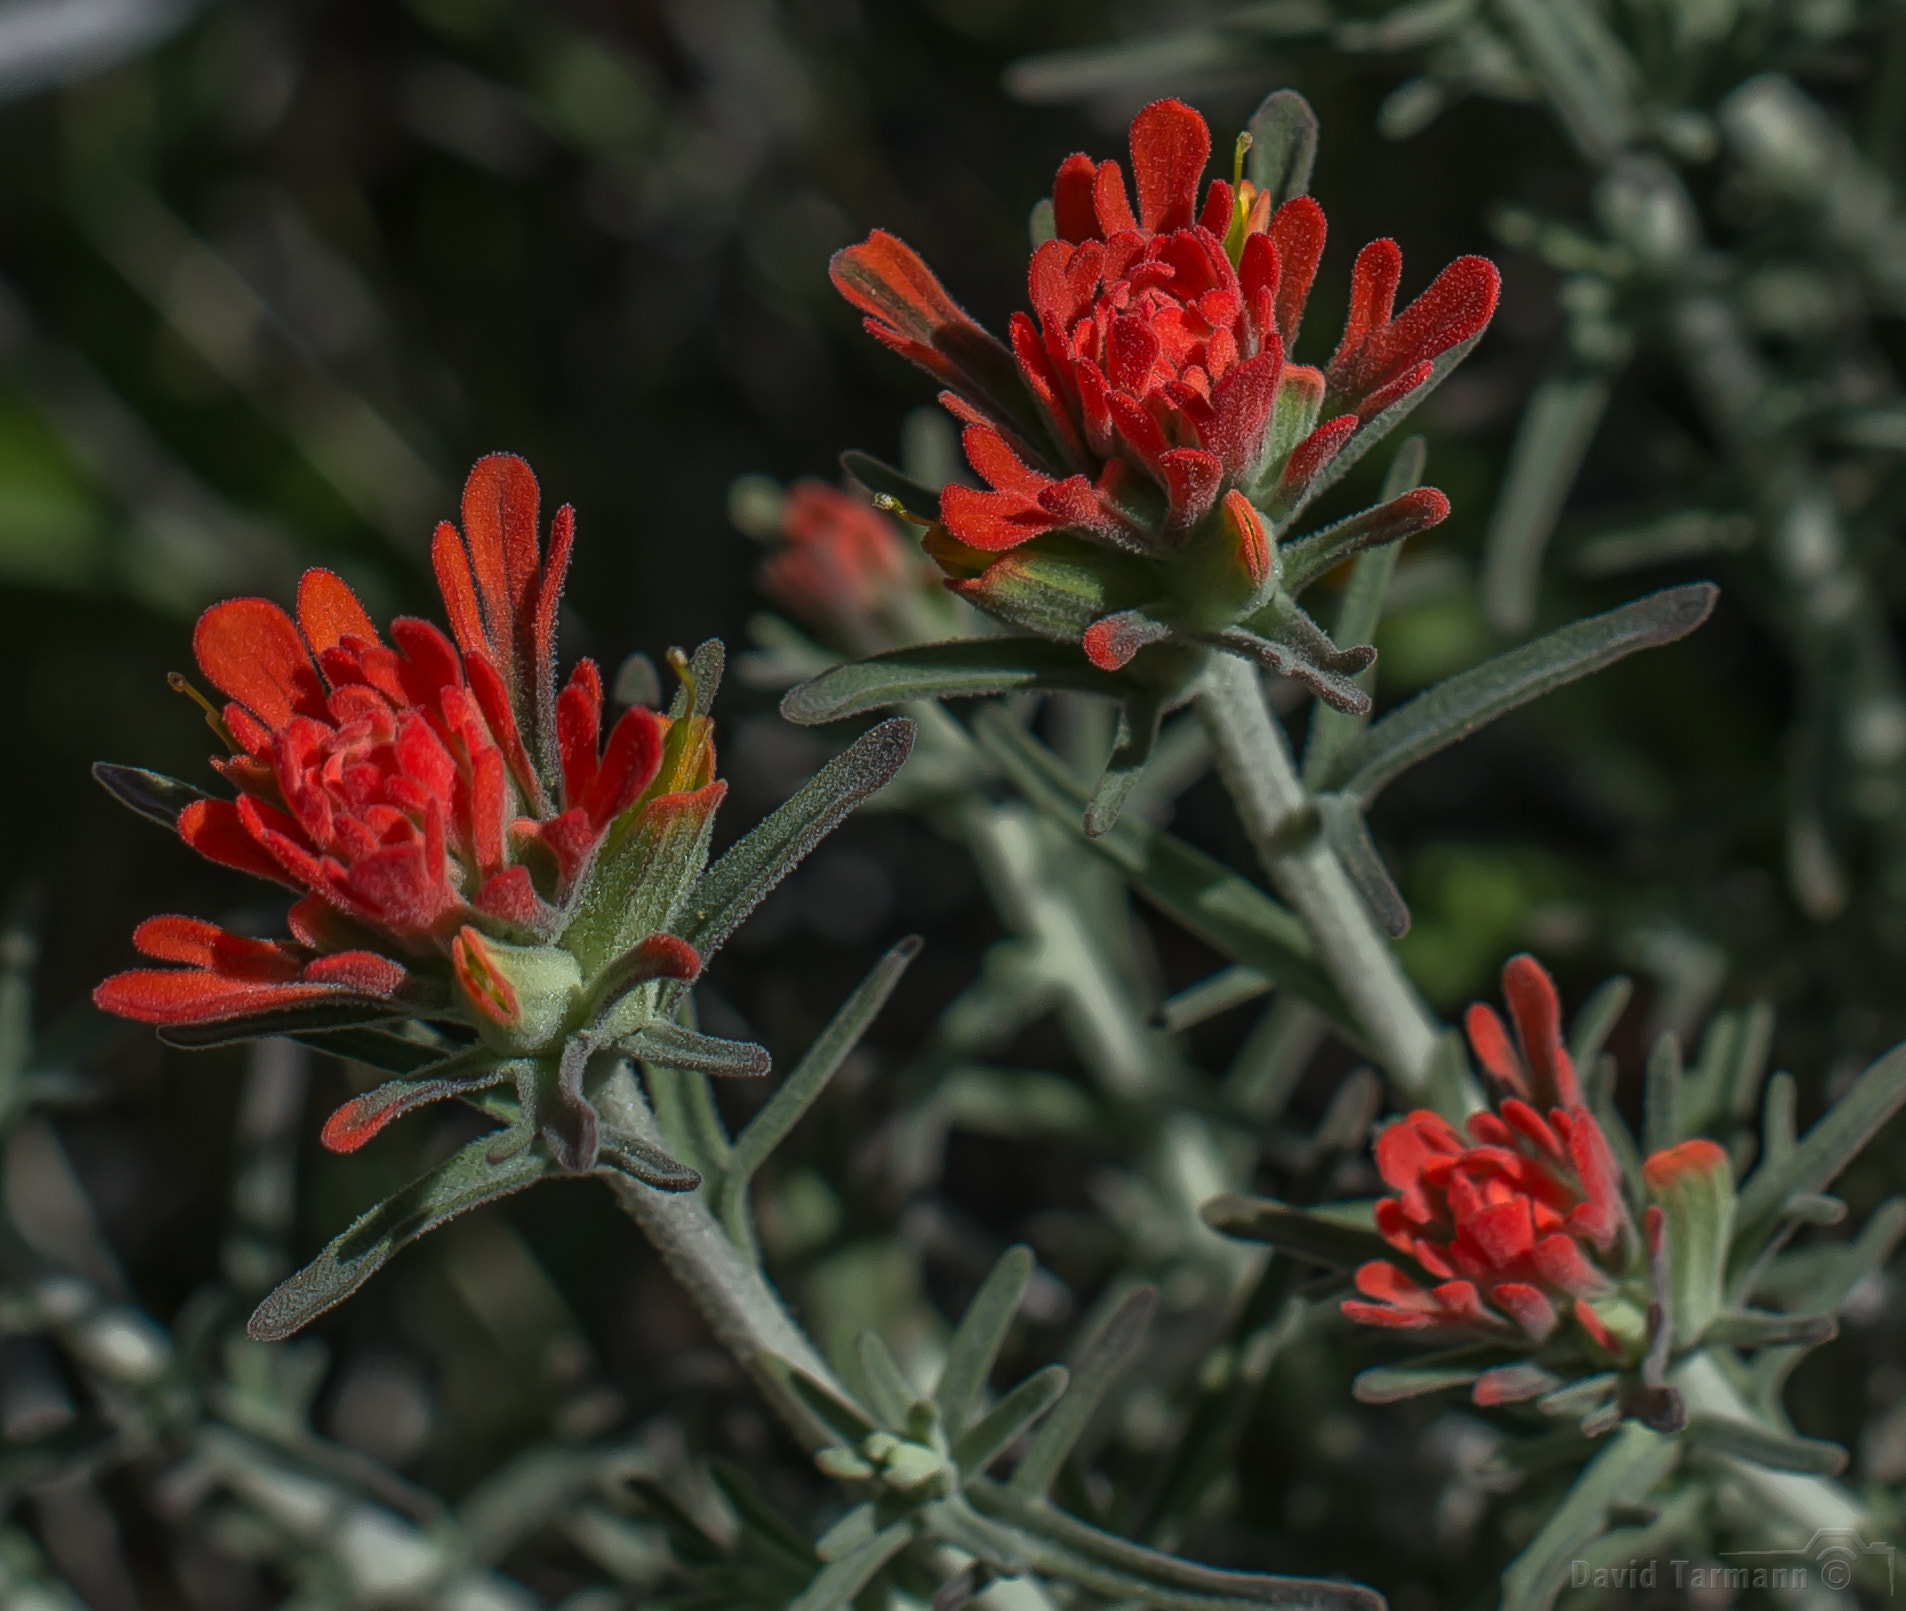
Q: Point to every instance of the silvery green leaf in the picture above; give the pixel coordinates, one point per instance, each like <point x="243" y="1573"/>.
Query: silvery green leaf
<point x="883" y="1385"/>
<point x="798" y="1092"/>
<point x="1060" y="1546"/>
<point x="980" y="1335"/>
<point x="1459" y="705"/>
<point x="1101" y="1358"/>
<point x="1627" y="1468"/>
<point x="1392" y="1384"/>
<point x="1558" y="423"/>
<point x="836" y="1585"/>
<point x="981" y="1443"/>
<point x="733" y="886"/>
<point x="466" y="1180"/>
<point x="1349" y="836"/>
<point x="1229" y="913"/>
<point x="668" y="1043"/>
<point x="1822" y="1153"/>
<point x="1766" y="1447"/>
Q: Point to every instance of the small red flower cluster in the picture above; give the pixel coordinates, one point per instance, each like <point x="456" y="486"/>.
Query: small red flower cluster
<point x="1519" y="1221"/>
<point x="418" y="795"/>
<point x="1150" y="388"/>
<point x="843" y="561"/>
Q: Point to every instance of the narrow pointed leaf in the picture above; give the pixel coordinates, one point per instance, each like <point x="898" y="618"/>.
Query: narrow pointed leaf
<point x="1558" y="423"/>
<point x="1627" y="1468"/>
<point x="1349" y="837"/>
<point x="1063" y="1547"/>
<point x="964" y="669"/>
<point x="1756" y="1328"/>
<point x="1461" y="704"/>
<point x="669" y="1044"/>
<point x="1392" y="1384"/>
<point x="1296" y="1231"/>
<point x="849" y="1424"/>
<point x="883" y="1384"/>
<point x="466" y="1180"/>
<point x="983" y="1441"/>
<point x="1092" y="1372"/>
<point x="881" y="478"/>
<point x="1231" y="987"/>
<point x="798" y="1092"/>
<point x="1137" y="736"/>
<point x="980" y="1335"/>
<point x="838" y="1583"/>
<point x="1823" y="1152"/>
<point x="1766" y="1447"/>
<point x="375" y="1048"/>
<point x="1596" y="1019"/>
<point x="736" y="884"/>
<point x="151" y="794"/>
<point x="853" y="1530"/>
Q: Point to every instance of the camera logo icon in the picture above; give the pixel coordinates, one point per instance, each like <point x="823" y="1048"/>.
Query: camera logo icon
<point x="1839" y="1557"/>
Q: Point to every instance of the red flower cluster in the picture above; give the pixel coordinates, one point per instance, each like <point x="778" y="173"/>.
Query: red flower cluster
<point x="418" y="795"/>
<point x="1511" y="1221"/>
<point x="1150" y="385"/>
<point x="843" y="560"/>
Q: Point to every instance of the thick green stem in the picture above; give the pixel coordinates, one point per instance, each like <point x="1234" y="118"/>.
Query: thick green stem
<point x="1254" y="760"/>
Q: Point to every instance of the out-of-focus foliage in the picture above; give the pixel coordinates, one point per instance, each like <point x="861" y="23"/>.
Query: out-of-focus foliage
<point x="272" y="276"/>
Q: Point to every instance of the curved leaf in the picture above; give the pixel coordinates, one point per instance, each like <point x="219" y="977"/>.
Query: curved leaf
<point x="466" y="1180"/>
<point x="1456" y="707"/>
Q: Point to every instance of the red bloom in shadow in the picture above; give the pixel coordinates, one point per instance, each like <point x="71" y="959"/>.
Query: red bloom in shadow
<point x="843" y="561"/>
<point x="406" y="789"/>
<point x="1516" y="1222"/>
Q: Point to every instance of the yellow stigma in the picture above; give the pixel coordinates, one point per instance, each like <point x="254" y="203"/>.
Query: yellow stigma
<point x="1242" y="195"/>
<point x="180" y="684"/>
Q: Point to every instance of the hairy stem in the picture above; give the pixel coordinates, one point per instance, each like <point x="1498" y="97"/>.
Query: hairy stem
<point x="747" y="1315"/>
<point x="1254" y="760"/>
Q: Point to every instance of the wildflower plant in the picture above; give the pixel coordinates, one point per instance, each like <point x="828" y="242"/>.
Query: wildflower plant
<point x="501" y="896"/>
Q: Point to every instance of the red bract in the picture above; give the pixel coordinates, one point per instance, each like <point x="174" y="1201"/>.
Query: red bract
<point x="406" y="789"/>
<point x="1517" y="1221"/>
<point x="1144" y="384"/>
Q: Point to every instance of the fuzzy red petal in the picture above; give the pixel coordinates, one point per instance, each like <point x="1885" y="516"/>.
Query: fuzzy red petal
<point x="1170" y="146"/>
<point x="250" y="651"/>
